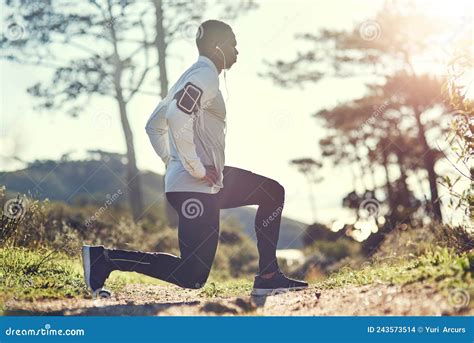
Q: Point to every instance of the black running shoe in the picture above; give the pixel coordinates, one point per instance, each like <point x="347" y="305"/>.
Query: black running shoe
<point x="278" y="283"/>
<point x="96" y="270"/>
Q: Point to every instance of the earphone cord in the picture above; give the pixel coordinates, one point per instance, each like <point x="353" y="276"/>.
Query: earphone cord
<point x="225" y="78"/>
<point x="226" y="90"/>
<point x="225" y="84"/>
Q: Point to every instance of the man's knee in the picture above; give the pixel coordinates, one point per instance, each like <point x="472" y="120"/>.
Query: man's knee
<point x="274" y="192"/>
<point x="195" y="283"/>
<point x="197" y="279"/>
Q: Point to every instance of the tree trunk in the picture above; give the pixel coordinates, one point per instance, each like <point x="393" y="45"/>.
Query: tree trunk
<point x="133" y="174"/>
<point x="371" y="244"/>
<point x="471" y="196"/>
<point x="429" y="163"/>
<point x="403" y="179"/>
<point x="312" y="201"/>
<point x="358" y="160"/>
<point x="161" y="46"/>
<point x="388" y="185"/>
<point x="371" y="171"/>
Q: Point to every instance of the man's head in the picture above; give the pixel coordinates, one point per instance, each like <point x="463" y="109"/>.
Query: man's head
<point x="216" y="41"/>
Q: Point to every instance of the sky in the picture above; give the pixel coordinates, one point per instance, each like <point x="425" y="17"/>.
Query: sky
<point x="267" y="126"/>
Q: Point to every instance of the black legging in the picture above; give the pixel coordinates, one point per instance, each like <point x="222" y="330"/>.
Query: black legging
<point x="198" y="229"/>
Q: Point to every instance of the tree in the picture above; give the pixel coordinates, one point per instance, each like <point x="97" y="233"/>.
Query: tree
<point x="309" y="168"/>
<point x="100" y="48"/>
<point x="399" y="95"/>
<point x="176" y="20"/>
<point x="461" y="134"/>
<point x="95" y="48"/>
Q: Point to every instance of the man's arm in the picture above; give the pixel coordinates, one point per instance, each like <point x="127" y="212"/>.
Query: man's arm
<point x="182" y="132"/>
<point x="184" y="110"/>
<point x="157" y="130"/>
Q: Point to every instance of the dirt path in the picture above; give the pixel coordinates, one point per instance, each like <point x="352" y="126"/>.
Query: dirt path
<point x="378" y="299"/>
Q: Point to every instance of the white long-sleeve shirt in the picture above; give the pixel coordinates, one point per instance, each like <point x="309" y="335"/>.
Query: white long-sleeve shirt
<point x="188" y="140"/>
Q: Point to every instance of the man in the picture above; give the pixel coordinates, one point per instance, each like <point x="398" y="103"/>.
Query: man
<point x="187" y="130"/>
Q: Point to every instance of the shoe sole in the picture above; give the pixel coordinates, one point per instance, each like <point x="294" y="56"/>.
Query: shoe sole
<point x="86" y="265"/>
<point x="101" y="293"/>
<point x="275" y="291"/>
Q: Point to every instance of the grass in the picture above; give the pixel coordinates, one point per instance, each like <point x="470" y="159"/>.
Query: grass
<point x="228" y="288"/>
<point x="36" y="275"/>
<point x="440" y="266"/>
<point x="45" y="274"/>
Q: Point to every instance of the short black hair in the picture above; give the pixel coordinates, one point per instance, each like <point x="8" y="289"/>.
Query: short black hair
<point x="210" y="33"/>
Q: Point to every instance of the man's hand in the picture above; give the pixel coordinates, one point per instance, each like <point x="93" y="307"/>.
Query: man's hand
<point x="211" y="175"/>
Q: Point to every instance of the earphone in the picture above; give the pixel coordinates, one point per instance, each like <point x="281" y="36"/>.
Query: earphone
<point x="223" y="56"/>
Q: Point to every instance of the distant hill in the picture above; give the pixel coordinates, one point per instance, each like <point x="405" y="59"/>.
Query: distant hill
<point x="91" y="180"/>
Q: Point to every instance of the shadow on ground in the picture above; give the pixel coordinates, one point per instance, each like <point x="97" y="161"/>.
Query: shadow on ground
<point x="150" y="309"/>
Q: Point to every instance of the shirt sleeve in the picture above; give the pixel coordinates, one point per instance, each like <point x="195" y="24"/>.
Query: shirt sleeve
<point x="157" y="130"/>
<point x="208" y="81"/>
<point x="181" y="123"/>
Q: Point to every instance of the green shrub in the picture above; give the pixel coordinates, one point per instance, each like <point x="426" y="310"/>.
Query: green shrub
<point x="335" y="250"/>
<point x="440" y="266"/>
<point x="415" y="241"/>
<point x="63" y="228"/>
